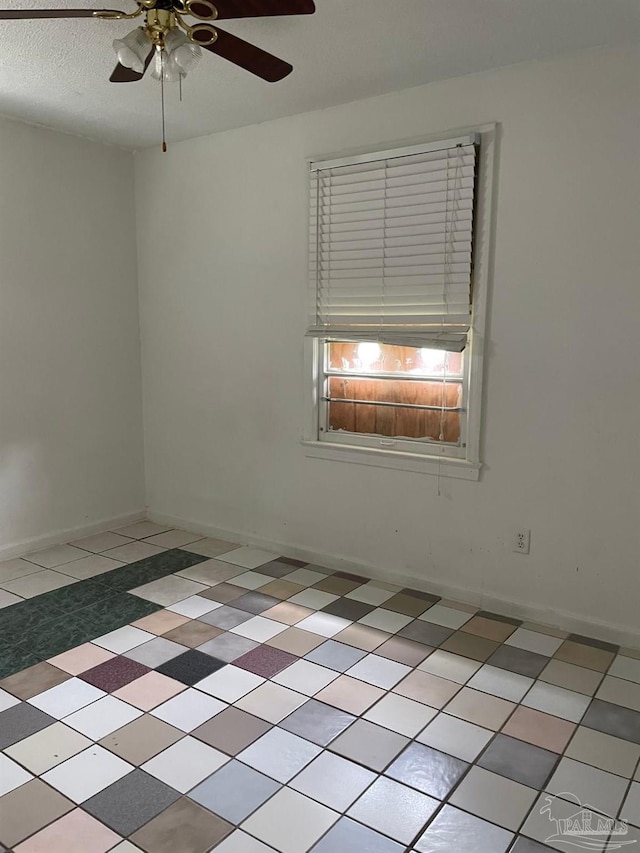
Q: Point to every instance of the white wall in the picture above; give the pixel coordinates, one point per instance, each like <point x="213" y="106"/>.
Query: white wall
<point x="562" y="404"/>
<point x="70" y="410"/>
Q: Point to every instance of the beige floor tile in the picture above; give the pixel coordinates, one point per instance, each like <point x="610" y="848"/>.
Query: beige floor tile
<point x="540" y="729"/>
<point x="210" y="547"/>
<point x="18" y="816"/>
<point x="336" y="586"/>
<point x="133" y="551"/>
<point x="350" y="695"/>
<point x="160" y="622"/>
<point x="174" y="538"/>
<point x="193" y="633"/>
<point x="76" y="832"/>
<point x="457" y="605"/>
<point x="57" y="555"/>
<point x="289" y="614"/>
<point x="427" y="688"/>
<point x="9" y="598"/>
<point x="362" y="637"/>
<point x="470" y="646"/>
<point x="494" y="798"/>
<point x="620" y="692"/>
<point x="140" y="740"/>
<point x="545" y="629"/>
<point x="101" y="542"/>
<point x="142" y="529"/>
<point x="30" y="682"/>
<point x="149" y="691"/>
<point x="211" y="572"/>
<point x="296" y="641"/>
<point x="576" y="678"/>
<point x="37" y="583"/>
<point x="271" y="702"/>
<point x="281" y="589"/>
<point x="587" y="656"/>
<point x="480" y="708"/>
<point x="604" y="751"/>
<point x="490" y="629"/>
<point x="48" y="748"/>
<point x="81" y="658"/>
<point x="404" y="651"/>
<point x="193" y="827"/>
<point x="408" y="605"/>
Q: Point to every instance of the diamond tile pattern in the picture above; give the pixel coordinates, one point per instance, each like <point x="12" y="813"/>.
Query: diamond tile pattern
<point x="163" y="692"/>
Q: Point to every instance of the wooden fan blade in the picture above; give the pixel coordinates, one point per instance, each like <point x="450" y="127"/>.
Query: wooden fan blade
<point x="121" y="74"/>
<point x="249" y="57"/>
<point x="22" y="14"/>
<point x="259" y="8"/>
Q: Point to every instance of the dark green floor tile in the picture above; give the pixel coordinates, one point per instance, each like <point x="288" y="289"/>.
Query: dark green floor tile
<point x="58" y="636"/>
<point x="144" y="571"/>
<point x="77" y="595"/>
<point x="16" y="659"/>
<point x="18" y="620"/>
<point x="116" y="611"/>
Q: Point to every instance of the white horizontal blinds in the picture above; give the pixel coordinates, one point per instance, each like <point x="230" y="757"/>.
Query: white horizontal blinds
<point x="390" y="247"/>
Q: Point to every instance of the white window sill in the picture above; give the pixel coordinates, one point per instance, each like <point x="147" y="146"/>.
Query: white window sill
<point x="460" y="469"/>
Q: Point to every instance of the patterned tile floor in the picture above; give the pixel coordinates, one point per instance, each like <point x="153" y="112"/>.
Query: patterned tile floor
<point x="167" y="693"/>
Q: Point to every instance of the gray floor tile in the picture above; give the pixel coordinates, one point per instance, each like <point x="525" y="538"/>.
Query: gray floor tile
<point x="226" y="617"/>
<point x="347" y="836"/>
<point x="20" y="721"/>
<point x="228" y="647"/>
<point x="347" y="608"/>
<point x="428" y="770"/>
<point x="234" y="791"/>
<point x="519" y="660"/>
<point x="425" y="633"/>
<point x="131" y="802"/>
<point x="456" y="830"/>
<point x="156" y="652"/>
<point x="277" y="569"/>
<point x="530" y="765"/>
<point x="613" y="720"/>
<point x="279" y="754"/>
<point x="526" y="845"/>
<point x="333" y="781"/>
<point x="255" y="602"/>
<point x="317" y="722"/>
<point x="368" y="744"/>
<point x="232" y="730"/>
<point x="336" y="655"/>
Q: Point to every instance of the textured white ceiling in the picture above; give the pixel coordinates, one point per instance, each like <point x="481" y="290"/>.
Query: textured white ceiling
<point x="56" y="72"/>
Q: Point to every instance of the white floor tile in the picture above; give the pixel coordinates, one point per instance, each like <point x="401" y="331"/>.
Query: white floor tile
<point x="271" y="702"/>
<point x="194" y="607"/>
<point x="456" y="830"/>
<point x="55" y="556"/>
<point x="185" y="764"/>
<point x="333" y="781"/>
<point x="323" y="624"/>
<point x="394" y="809"/>
<point x="532" y="641"/>
<point x="455" y="737"/>
<point x="305" y="577"/>
<point x="18" y="568"/>
<point x="65" y="698"/>
<point x="141" y="529"/>
<point x="174" y="538"/>
<point x="168" y="590"/>
<point x="87" y="773"/>
<point x="124" y="639"/>
<point x="557" y="701"/>
<point x="230" y="683"/>
<point x="133" y="551"/>
<point x="448" y="617"/>
<point x="290" y="822"/>
<point x="370" y="594"/>
<point x="102" y="717"/>
<point x="259" y="629"/>
<point x="11" y="775"/>
<point x="494" y="798"/>
<point x="631" y="808"/>
<point x="248" y="558"/>
<point x="452" y="667"/>
<point x="48" y="748"/>
<point x="37" y="583"/>
<point x="313" y="598"/>
<point x="604" y="751"/>
<point x="9" y="598"/>
<point x="501" y="682"/>
<point x="624" y="667"/>
<point x="279" y="754"/>
<point x="602" y="791"/>
<point x="385" y="620"/>
<point x="305" y="677"/>
<point x="252" y="580"/>
<point x="240" y="842"/>
<point x="101" y="542"/>
<point x="379" y="671"/>
<point x="400" y="714"/>
<point x="188" y="710"/>
<point x="89" y="567"/>
<point x="7" y="700"/>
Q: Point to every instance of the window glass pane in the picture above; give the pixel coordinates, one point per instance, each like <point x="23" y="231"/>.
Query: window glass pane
<point x="371" y="357"/>
<point x="395" y="421"/>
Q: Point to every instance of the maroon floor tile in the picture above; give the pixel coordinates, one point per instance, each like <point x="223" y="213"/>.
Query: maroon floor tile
<point x="265" y="661"/>
<point x="114" y="674"/>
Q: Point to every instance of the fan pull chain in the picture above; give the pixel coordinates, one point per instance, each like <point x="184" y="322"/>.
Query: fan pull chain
<point x="164" y="141"/>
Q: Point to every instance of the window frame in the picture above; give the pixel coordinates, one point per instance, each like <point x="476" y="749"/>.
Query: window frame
<point x="430" y="458"/>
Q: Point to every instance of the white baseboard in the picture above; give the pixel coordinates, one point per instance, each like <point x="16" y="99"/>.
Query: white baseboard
<point x="37" y="543"/>
<point x="561" y="619"/>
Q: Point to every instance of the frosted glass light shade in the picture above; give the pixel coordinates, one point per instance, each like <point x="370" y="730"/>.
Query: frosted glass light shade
<point x="133" y="49"/>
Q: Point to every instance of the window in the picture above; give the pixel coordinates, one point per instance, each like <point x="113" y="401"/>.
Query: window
<point x="395" y="330"/>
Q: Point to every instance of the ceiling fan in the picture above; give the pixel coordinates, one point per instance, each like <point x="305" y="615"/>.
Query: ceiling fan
<point x="176" y="43"/>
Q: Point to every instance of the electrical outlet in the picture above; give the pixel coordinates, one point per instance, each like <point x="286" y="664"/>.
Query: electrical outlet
<point x="521" y="541"/>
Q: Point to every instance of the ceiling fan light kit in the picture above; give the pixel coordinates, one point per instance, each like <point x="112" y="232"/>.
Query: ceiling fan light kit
<point x="176" y="43"/>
